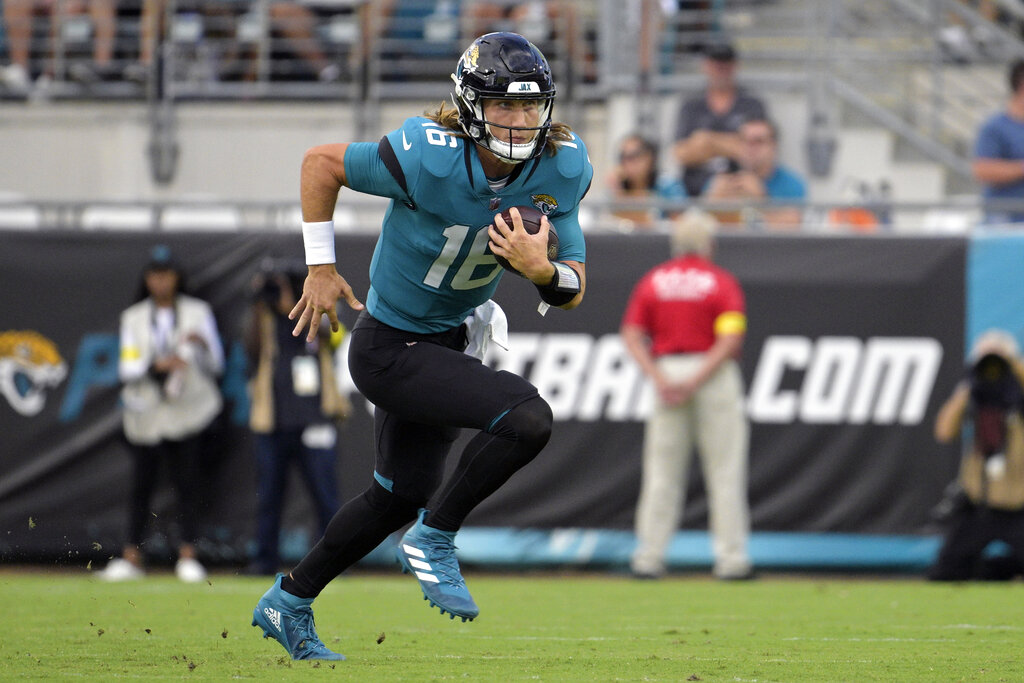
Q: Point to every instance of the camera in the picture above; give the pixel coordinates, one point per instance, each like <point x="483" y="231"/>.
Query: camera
<point x="993" y="383"/>
<point x="995" y="393"/>
<point x="273" y="275"/>
<point x="724" y="165"/>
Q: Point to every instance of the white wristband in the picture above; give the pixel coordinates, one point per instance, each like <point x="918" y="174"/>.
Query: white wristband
<point x="318" y="238"/>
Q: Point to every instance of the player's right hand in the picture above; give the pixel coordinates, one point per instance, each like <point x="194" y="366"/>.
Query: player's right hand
<point x="320" y="293"/>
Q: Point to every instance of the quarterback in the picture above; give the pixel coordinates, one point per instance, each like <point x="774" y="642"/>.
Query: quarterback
<point x="449" y="176"/>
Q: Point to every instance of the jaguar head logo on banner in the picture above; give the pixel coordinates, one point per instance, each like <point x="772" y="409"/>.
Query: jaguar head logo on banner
<point x="29" y="365"/>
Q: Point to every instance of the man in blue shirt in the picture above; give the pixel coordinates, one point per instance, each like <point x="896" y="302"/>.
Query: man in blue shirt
<point x="999" y="154"/>
<point x="759" y="177"/>
<point x="448" y="175"/>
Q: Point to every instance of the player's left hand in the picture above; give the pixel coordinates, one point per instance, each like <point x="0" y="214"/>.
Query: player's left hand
<point x="320" y="293"/>
<point x="525" y="252"/>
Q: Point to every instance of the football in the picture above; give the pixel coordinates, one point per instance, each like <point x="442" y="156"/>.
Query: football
<point x="531" y="222"/>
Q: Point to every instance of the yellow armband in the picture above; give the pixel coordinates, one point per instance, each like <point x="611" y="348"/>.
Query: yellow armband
<point x="731" y="322"/>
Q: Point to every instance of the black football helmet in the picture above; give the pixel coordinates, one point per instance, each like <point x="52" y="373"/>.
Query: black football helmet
<point x="503" y="66"/>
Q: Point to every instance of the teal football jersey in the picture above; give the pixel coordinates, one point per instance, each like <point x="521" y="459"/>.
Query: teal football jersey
<point x="431" y="266"/>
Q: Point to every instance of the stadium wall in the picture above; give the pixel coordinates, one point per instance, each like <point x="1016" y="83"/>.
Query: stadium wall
<point x="94" y="152"/>
<point x="853" y="345"/>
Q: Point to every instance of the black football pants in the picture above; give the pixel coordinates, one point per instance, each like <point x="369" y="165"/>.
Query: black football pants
<point x="425" y="389"/>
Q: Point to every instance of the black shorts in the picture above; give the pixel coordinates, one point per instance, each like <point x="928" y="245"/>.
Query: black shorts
<point x="425" y="389"/>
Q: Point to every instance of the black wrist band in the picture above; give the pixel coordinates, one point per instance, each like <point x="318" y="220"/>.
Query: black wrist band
<point x="563" y="288"/>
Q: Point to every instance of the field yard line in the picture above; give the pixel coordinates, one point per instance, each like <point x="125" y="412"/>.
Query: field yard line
<point x="876" y="640"/>
<point x="565" y="638"/>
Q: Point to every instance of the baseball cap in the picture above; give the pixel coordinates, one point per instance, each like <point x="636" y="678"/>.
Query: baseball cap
<point x="994" y="342"/>
<point x="161" y="258"/>
<point x="720" y="51"/>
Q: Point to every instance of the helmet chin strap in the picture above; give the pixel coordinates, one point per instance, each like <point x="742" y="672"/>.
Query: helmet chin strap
<point x="509" y="151"/>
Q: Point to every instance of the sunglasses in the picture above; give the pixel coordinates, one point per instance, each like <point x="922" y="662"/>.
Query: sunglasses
<point x="632" y="155"/>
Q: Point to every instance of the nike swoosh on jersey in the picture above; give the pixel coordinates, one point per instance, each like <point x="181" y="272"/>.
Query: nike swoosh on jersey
<point x="406" y="145"/>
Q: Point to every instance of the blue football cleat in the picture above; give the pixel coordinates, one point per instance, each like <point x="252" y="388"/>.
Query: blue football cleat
<point x="289" y="619"/>
<point x="429" y="555"/>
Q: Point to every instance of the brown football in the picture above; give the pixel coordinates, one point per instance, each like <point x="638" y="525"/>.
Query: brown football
<point x="531" y="222"/>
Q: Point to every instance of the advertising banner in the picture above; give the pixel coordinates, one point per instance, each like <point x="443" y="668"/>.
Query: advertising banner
<point x="853" y="344"/>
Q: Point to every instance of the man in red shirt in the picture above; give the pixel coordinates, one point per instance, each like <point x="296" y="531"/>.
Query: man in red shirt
<point x="684" y="325"/>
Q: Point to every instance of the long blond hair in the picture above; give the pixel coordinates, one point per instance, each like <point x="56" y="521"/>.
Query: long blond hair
<point x="448" y="117"/>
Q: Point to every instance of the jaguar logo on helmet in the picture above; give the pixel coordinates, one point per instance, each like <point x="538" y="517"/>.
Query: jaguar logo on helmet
<point x="545" y="203"/>
<point x="29" y="365"/>
<point x="469" y="58"/>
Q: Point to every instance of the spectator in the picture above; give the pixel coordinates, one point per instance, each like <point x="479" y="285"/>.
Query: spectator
<point x="234" y="53"/>
<point x="170" y="356"/>
<point x="684" y="325"/>
<point x="295" y="404"/>
<point x="999" y="154"/>
<point x="417" y="35"/>
<point x="295" y="24"/>
<point x="706" y="138"/>
<point x="536" y="20"/>
<point x="552" y="25"/>
<point x="992" y="467"/>
<point x="759" y="177"/>
<point x="636" y="178"/>
<point x="18" y="16"/>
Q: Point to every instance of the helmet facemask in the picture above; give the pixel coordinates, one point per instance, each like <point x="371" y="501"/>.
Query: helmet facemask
<point x="483" y="132"/>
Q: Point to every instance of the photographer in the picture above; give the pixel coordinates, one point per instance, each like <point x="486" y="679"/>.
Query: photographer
<point x="992" y="469"/>
<point x="295" y="407"/>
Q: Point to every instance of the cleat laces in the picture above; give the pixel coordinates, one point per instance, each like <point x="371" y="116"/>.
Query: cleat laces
<point x="304" y="628"/>
<point x="441" y="555"/>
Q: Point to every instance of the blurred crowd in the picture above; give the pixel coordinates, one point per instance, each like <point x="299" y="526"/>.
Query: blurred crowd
<point x="95" y="41"/>
<point x="723" y="152"/>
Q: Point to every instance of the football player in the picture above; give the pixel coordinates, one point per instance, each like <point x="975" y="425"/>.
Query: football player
<point x="449" y="175"/>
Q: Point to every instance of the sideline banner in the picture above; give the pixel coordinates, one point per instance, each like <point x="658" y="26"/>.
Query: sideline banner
<point x="853" y="344"/>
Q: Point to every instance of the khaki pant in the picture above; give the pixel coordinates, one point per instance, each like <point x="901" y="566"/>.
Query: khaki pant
<point x="715" y="421"/>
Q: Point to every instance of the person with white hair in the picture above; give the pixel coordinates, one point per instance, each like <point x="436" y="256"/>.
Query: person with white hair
<point x="684" y="324"/>
<point x="991" y="474"/>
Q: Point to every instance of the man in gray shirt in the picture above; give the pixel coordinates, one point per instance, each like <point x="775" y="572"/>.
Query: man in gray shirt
<point x="706" y="132"/>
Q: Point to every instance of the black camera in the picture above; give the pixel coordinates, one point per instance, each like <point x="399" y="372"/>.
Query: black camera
<point x="273" y="275"/>
<point x="994" y="384"/>
<point x="995" y="394"/>
<point x="270" y="291"/>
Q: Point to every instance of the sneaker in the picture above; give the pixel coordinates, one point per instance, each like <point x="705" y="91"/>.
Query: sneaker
<point x="647" y="569"/>
<point x="747" y="575"/>
<point x="189" y="570"/>
<point x="429" y="555"/>
<point x="289" y="619"/>
<point x="120" y="569"/>
<point x="15" y="78"/>
<point x="329" y="74"/>
<point x="136" y="72"/>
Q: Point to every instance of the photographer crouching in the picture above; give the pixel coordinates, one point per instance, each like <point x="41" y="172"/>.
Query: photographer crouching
<point x="992" y="468"/>
<point x="296" y="407"/>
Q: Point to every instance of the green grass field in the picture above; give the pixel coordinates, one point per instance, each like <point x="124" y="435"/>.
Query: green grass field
<point x="576" y="627"/>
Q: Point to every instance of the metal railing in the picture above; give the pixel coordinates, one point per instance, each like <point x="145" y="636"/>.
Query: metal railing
<point x="363" y="214"/>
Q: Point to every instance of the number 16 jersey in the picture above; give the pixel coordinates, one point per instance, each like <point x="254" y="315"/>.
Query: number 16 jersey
<point x="432" y="265"/>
